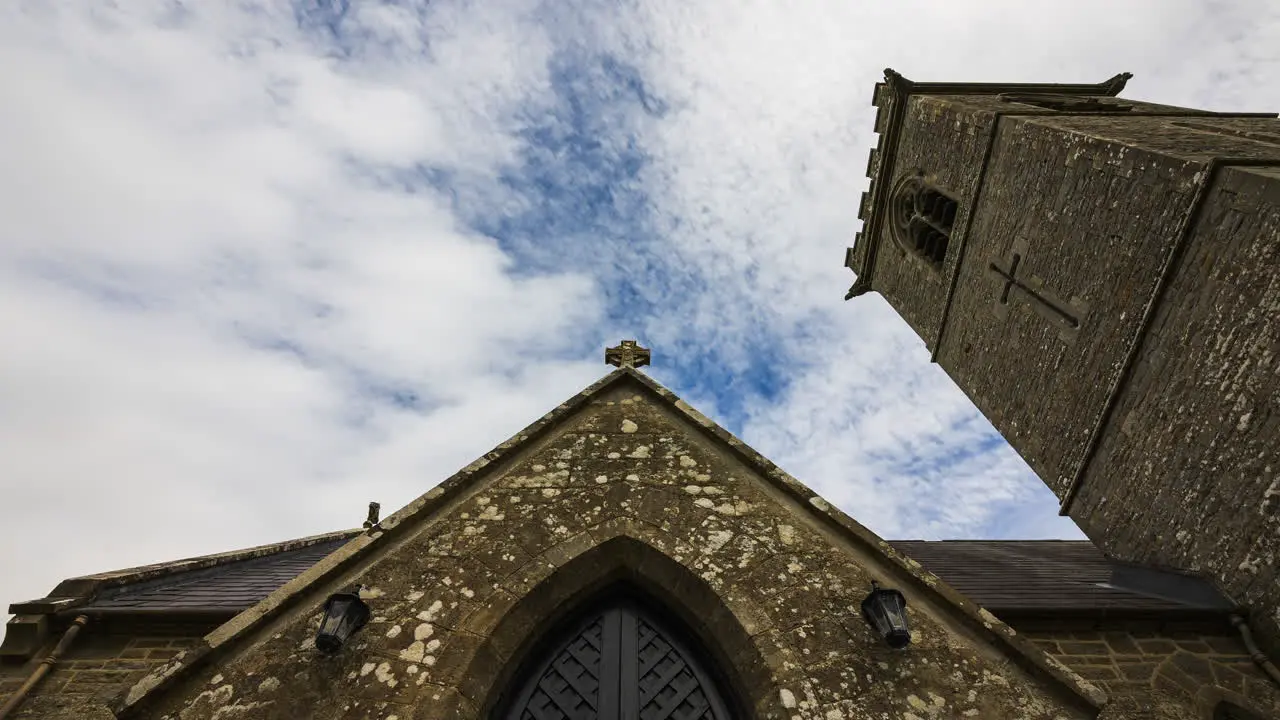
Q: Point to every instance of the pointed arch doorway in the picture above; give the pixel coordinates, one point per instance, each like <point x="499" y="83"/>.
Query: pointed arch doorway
<point x="622" y="658"/>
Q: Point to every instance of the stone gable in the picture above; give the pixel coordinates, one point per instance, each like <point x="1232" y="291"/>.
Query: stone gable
<point x="621" y="483"/>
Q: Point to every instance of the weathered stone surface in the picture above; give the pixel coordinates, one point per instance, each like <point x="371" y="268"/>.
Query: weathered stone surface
<point x="1048" y="197"/>
<point x="1133" y="366"/>
<point x="951" y="161"/>
<point x="1174" y="665"/>
<point x="97" y="667"/>
<point x="1188" y="473"/>
<point x="754" y="574"/>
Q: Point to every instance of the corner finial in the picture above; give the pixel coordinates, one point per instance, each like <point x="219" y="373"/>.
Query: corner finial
<point x="861" y="285"/>
<point x="897" y="82"/>
<point x="628" y="354"/>
<point x="1113" y="86"/>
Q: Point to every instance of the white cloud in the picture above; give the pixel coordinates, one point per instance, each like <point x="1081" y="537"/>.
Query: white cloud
<point x="184" y="191"/>
<point x="186" y="197"/>
<point x="762" y="161"/>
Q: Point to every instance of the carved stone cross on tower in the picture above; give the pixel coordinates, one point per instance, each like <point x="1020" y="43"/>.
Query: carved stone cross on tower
<point x="628" y="354"/>
<point x="1067" y="316"/>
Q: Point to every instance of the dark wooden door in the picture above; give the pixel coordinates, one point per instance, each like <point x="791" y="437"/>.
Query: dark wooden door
<point x="621" y="663"/>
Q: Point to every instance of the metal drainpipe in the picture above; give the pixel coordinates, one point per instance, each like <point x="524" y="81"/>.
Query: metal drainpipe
<point x="44" y="667"/>
<point x="1246" y="634"/>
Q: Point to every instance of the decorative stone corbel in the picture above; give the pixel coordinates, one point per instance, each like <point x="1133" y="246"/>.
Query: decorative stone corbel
<point x="24" y="636"/>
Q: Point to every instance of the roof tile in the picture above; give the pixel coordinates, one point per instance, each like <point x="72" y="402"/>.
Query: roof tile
<point x="1031" y="575"/>
<point x="231" y="587"/>
<point x="1000" y="575"/>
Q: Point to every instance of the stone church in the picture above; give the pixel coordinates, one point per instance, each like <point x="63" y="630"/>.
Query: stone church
<point x="1099" y="275"/>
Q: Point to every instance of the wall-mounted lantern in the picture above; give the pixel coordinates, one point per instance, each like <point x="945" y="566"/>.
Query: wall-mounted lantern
<point x="344" y="614"/>
<point x="886" y="612"/>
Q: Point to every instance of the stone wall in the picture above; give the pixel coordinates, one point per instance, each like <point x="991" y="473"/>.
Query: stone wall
<point x="947" y="142"/>
<point x="1188" y="664"/>
<point x="1148" y="366"/>
<point x="1188" y="470"/>
<point x="625" y="491"/>
<point x="1091" y="222"/>
<point x="97" y="667"/>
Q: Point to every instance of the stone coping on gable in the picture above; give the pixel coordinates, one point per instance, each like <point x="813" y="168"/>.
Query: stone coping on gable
<point x="329" y="570"/>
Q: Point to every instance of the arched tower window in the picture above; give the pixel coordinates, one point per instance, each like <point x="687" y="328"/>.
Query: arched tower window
<point x="922" y="219"/>
<point x="621" y="658"/>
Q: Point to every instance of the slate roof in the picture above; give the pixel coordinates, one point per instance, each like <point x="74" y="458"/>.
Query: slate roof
<point x="227" y="588"/>
<point x="1007" y="577"/>
<point x="1035" y="576"/>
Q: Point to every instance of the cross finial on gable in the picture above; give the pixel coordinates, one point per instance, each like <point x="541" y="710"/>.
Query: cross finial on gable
<point x="628" y="354"/>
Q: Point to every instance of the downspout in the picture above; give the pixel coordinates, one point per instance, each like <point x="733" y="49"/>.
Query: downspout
<point x="44" y="667"/>
<point x="1246" y="634"/>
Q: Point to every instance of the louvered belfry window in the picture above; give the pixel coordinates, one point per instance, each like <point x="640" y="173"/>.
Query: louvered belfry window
<point x="620" y="661"/>
<point x="922" y="219"/>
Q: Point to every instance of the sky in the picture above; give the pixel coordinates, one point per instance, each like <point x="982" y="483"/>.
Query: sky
<point x="262" y="263"/>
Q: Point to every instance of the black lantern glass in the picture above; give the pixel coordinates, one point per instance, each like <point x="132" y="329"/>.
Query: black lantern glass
<point x="344" y="614"/>
<point x="886" y="612"/>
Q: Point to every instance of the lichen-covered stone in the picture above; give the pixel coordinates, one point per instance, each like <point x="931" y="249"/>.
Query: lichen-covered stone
<point x="1133" y="364"/>
<point x="627" y="485"/>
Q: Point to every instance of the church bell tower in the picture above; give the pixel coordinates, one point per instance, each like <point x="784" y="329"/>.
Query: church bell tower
<point x="1101" y="276"/>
